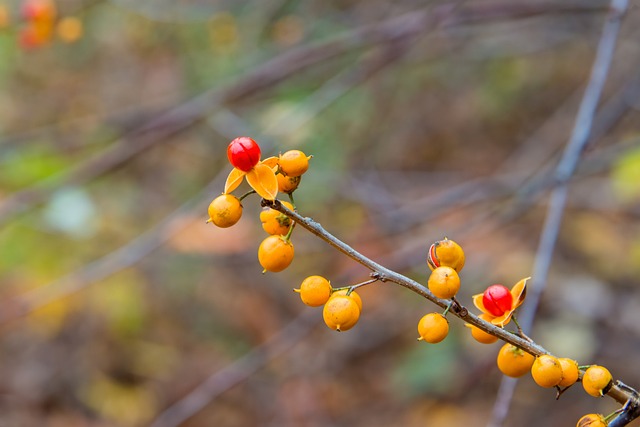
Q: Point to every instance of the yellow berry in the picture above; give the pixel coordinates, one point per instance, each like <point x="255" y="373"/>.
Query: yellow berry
<point x="341" y="312"/>
<point x="275" y="222"/>
<point x="444" y="282"/>
<point x="433" y="328"/>
<point x="592" y="420"/>
<point x="480" y="335"/>
<point x="4" y="16"/>
<point x="570" y="371"/>
<point x="288" y="184"/>
<point x="69" y="29"/>
<point x="596" y="380"/>
<point x="353" y="294"/>
<point x="294" y="163"/>
<point x="513" y="361"/>
<point x="275" y="253"/>
<point x="446" y="253"/>
<point x="225" y="210"/>
<point x="315" y="291"/>
<point x="546" y="371"/>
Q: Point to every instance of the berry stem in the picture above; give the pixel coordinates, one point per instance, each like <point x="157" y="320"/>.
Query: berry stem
<point x="446" y="310"/>
<point x="559" y="391"/>
<point x="613" y="414"/>
<point x="293" y="203"/>
<point x="520" y="331"/>
<point x="351" y="288"/>
<point x="291" y="227"/>
<point x="366" y="282"/>
<point x="248" y="193"/>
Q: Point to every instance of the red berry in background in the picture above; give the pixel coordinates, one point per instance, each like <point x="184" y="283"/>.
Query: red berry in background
<point x="243" y="153"/>
<point x="39" y="10"/>
<point x="497" y="299"/>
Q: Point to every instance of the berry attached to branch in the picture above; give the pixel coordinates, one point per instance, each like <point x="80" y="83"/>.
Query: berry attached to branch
<point x="433" y="328"/>
<point x="275" y="253"/>
<point x="546" y="371"/>
<point x="445" y="253"/>
<point x="597" y="380"/>
<point x="315" y="291"/>
<point x="225" y="211"/>
<point x="341" y="312"/>
<point x="513" y="361"/>
<point x="243" y="153"/>
<point x="497" y="300"/>
<point x="444" y="282"/>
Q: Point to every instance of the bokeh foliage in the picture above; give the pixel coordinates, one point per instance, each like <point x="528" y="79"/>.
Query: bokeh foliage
<point x="448" y="131"/>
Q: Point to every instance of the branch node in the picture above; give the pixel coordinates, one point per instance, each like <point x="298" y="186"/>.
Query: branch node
<point x="379" y="276"/>
<point x="266" y="203"/>
<point x="459" y="308"/>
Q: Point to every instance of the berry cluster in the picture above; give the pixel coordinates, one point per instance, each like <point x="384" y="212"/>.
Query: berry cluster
<point x="497" y="305"/>
<point x="39" y="23"/>
<point x="266" y="178"/>
<point x="342" y="306"/>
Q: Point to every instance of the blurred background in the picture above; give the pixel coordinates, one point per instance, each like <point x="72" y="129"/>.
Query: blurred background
<point x="119" y="306"/>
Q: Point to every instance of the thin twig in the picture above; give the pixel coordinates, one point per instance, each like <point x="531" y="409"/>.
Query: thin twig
<point x="238" y="371"/>
<point x="564" y="171"/>
<point x="620" y="394"/>
<point x="384" y="274"/>
<point x="113" y="262"/>
<point x="393" y="30"/>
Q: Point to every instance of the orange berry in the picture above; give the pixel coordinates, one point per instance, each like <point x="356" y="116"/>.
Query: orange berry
<point x="433" y="328"/>
<point x="597" y="380"/>
<point x="446" y="253"/>
<point x="275" y="222"/>
<point x="288" y="184"/>
<point x="39" y="10"/>
<point x="294" y="163"/>
<point x="444" y="282"/>
<point x="513" y="361"/>
<point x="275" y="253"/>
<point x="4" y="16"/>
<point x="315" y="291"/>
<point x="35" y="34"/>
<point x="570" y="371"/>
<point x="592" y="420"/>
<point x="353" y="295"/>
<point x="341" y="312"/>
<point x="480" y="335"/>
<point x="546" y="371"/>
<point x="225" y="210"/>
<point x="69" y="29"/>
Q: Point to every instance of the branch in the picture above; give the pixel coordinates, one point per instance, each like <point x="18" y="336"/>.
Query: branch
<point x="630" y="411"/>
<point x="618" y="392"/>
<point x="235" y="373"/>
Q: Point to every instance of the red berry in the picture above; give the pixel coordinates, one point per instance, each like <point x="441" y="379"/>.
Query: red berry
<point x="497" y="299"/>
<point x="243" y="153"/>
<point x="431" y="257"/>
<point x="38" y="10"/>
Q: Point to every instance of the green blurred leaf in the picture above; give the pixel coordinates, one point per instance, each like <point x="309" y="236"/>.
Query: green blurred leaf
<point x="120" y="301"/>
<point x="21" y="168"/>
<point x="427" y="368"/>
<point x="625" y="176"/>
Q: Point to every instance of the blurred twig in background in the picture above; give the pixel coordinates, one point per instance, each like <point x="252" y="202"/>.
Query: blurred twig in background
<point x="565" y="169"/>
<point x="424" y="121"/>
